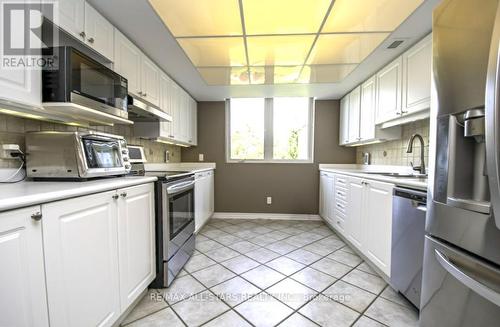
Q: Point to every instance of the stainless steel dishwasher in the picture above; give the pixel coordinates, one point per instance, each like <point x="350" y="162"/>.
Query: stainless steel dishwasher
<point x="408" y="235"/>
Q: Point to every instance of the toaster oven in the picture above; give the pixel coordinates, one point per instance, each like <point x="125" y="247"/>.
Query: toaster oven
<point x="75" y="155"/>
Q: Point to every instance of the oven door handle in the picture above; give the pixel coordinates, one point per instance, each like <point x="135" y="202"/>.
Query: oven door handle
<point x="179" y="187"/>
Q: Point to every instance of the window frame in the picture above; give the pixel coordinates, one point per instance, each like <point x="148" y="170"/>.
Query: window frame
<point x="269" y="135"/>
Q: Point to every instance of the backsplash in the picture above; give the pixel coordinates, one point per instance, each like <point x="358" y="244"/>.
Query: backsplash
<point x="394" y="152"/>
<point x="12" y="131"/>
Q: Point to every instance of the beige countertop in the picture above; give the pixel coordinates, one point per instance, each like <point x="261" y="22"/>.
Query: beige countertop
<point x="27" y="193"/>
<point x="367" y="171"/>
<point x="194" y="167"/>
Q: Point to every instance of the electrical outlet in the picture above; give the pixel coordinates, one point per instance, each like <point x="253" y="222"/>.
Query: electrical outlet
<point x="9" y="151"/>
<point x="201" y="157"/>
<point x="269" y="200"/>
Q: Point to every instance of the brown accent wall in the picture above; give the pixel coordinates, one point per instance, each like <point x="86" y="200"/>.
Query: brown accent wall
<point x="243" y="187"/>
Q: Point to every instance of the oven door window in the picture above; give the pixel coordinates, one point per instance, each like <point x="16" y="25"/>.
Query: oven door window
<point x="181" y="211"/>
<point x="102" y="154"/>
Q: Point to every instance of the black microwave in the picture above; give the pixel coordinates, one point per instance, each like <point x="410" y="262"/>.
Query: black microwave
<point x="74" y="77"/>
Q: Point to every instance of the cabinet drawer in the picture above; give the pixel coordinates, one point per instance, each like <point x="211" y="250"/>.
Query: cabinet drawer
<point x="341" y="206"/>
<point x="339" y="223"/>
<point x="341" y="194"/>
<point x="341" y="181"/>
<point x="340" y="214"/>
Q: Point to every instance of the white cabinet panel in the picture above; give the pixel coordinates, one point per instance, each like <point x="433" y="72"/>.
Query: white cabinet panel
<point x="378" y="220"/>
<point x="354" y="114"/>
<point x="389" y="82"/>
<point x="203" y="197"/>
<point x="417" y="76"/>
<point x="150" y="81"/>
<point x="344" y="121"/>
<point x="128" y="59"/>
<point x="72" y="17"/>
<point x="81" y="260"/>
<point x="193" y="121"/>
<point x="136" y="241"/>
<point x="355" y="223"/>
<point x="165" y="105"/>
<point x="367" y="116"/>
<point x="326" y="204"/>
<point x="99" y="32"/>
<point x="23" y="301"/>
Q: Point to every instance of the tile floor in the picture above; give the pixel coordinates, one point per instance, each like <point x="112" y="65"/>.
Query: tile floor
<point x="273" y="273"/>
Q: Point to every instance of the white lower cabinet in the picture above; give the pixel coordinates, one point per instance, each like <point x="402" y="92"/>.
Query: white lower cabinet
<point x="98" y="253"/>
<point x="136" y="241"/>
<point x="23" y="301"/>
<point x="203" y="197"/>
<point x="326" y="196"/>
<point x="362" y="213"/>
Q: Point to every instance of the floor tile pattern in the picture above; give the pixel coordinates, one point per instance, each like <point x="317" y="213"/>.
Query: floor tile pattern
<point x="273" y="273"/>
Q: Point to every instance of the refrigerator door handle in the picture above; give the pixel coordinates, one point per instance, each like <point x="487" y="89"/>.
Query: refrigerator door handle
<point x="481" y="289"/>
<point x="492" y="124"/>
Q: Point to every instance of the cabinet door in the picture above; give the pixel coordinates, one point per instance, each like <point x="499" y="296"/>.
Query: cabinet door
<point x="388" y="86"/>
<point x="417" y="76"/>
<point x="136" y="241"/>
<point x="355" y="227"/>
<point x="184" y="116"/>
<point x="128" y="62"/>
<point x="81" y="260"/>
<point x="211" y="189"/>
<point x="193" y="122"/>
<point x="354" y="114"/>
<point x="344" y="121"/>
<point x="176" y="111"/>
<point x="198" y="201"/>
<point x="322" y="189"/>
<point x="72" y="17"/>
<point x="367" y="120"/>
<point x="23" y="299"/>
<point x="165" y="104"/>
<point x="330" y="198"/>
<point x="378" y="224"/>
<point x="150" y="81"/>
<point x="99" y="32"/>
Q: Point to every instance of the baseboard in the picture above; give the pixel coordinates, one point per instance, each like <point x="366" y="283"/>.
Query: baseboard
<point x="274" y="216"/>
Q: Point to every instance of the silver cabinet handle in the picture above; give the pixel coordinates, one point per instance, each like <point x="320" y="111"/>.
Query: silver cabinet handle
<point x="144" y="94"/>
<point x="82" y="34"/>
<point x="115" y="196"/>
<point x="139" y="92"/>
<point x="37" y="216"/>
<point x="123" y="195"/>
<point x="471" y="283"/>
<point x="91" y="40"/>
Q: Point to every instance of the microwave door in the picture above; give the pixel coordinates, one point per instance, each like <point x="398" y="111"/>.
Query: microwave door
<point x="492" y="117"/>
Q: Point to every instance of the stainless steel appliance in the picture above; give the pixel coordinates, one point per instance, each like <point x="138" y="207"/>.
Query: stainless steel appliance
<point x="461" y="277"/>
<point x="75" y="155"/>
<point x="80" y="80"/>
<point x="408" y="232"/>
<point x="175" y="238"/>
<point x="136" y="154"/>
<point x="142" y="111"/>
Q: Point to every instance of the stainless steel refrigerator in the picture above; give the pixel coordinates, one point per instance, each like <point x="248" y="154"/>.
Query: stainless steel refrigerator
<point x="461" y="274"/>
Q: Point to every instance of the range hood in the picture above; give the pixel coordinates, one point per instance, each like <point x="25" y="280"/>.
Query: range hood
<point x="141" y="111"/>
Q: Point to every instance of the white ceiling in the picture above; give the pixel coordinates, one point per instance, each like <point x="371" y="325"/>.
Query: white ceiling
<point x="138" y="20"/>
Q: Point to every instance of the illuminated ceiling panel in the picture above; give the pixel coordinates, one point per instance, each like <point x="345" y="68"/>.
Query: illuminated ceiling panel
<point x="279" y="17"/>
<point x="278" y="50"/>
<point x="344" y="48"/>
<point x="369" y="15"/>
<point x="200" y="17"/>
<point x="246" y="42"/>
<point x="324" y="73"/>
<point x="225" y="75"/>
<point x="220" y="51"/>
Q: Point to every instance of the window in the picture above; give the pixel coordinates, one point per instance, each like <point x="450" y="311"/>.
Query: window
<point x="269" y="130"/>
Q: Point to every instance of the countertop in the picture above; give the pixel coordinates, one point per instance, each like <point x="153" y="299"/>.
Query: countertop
<point x="27" y="193"/>
<point x="362" y="172"/>
<point x="194" y="167"/>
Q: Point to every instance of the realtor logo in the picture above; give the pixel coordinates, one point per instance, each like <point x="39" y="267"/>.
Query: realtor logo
<point x="22" y="32"/>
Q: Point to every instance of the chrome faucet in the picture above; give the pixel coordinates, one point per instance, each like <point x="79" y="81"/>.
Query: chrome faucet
<point x="409" y="149"/>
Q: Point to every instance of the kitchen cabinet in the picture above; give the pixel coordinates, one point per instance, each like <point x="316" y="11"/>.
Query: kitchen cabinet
<point x="193" y="121"/>
<point x="72" y="17"/>
<point x="389" y="84"/>
<point x="21" y="86"/>
<point x="22" y="276"/>
<point x="204" y="198"/>
<point x="354" y="114"/>
<point x="344" y="121"/>
<point x="166" y="104"/>
<point x="150" y="81"/>
<point x="340" y="210"/>
<point x="99" y="33"/>
<point x="97" y="249"/>
<point x="355" y="224"/>
<point x="367" y="111"/>
<point x="326" y="196"/>
<point x="417" y="77"/>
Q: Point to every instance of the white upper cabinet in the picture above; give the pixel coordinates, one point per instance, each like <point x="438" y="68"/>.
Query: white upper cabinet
<point x="81" y="260"/>
<point x="99" y="33"/>
<point x="344" y="121"/>
<point x="128" y="59"/>
<point x="23" y="301"/>
<point x="389" y="83"/>
<point x="165" y="104"/>
<point x="21" y="86"/>
<point x="193" y="121"/>
<point x="72" y="17"/>
<point x="367" y="116"/>
<point x="354" y="114"/>
<point x="150" y="81"/>
<point x="417" y="76"/>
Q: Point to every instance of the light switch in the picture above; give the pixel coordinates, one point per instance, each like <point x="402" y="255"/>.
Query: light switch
<point x="269" y="200"/>
<point x="200" y="157"/>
